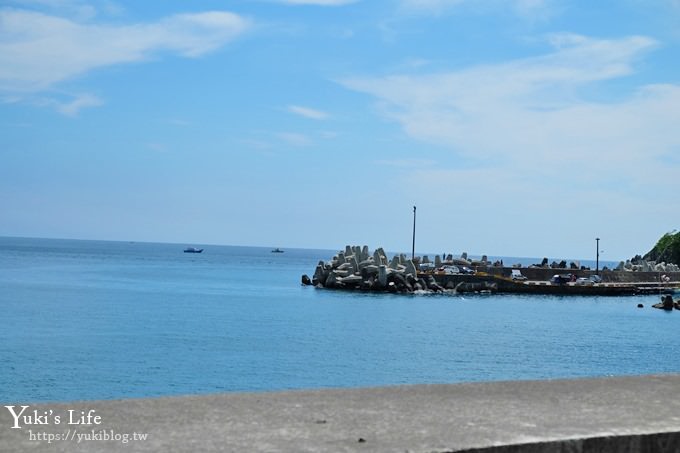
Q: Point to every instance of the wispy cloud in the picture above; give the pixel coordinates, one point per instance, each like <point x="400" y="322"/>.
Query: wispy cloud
<point x="79" y="9"/>
<point x="476" y="106"/>
<point x="157" y="147"/>
<point x="318" y="2"/>
<point x="37" y="51"/>
<point x="526" y="8"/>
<point x="533" y="129"/>
<point x="409" y="163"/>
<point x="64" y="103"/>
<point x="295" y="139"/>
<point x="82" y="101"/>
<point x="307" y="112"/>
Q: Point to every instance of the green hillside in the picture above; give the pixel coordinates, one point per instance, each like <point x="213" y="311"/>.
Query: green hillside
<point x="667" y="249"/>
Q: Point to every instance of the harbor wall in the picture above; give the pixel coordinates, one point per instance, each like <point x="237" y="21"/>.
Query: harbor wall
<point x="608" y="276"/>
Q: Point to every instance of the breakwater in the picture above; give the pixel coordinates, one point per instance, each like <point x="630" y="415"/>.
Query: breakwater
<point x="357" y="268"/>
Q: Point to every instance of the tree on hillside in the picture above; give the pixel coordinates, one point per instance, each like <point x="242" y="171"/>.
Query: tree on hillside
<point x="667" y="249"/>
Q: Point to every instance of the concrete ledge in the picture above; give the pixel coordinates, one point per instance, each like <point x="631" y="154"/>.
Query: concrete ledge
<point x="630" y="414"/>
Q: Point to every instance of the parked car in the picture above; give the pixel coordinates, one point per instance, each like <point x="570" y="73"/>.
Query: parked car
<point x="595" y="279"/>
<point x="517" y="275"/>
<point x="583" y="281"/>
<point x="424" y="267"/>
<point x="449" y="269"/>
<point x="560" y="279"/>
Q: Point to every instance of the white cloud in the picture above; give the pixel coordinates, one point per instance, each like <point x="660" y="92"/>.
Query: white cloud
<point x="38" y="51"/>
<point x="526" y="8"/>
<point x="318" y="2"/>
<point x="295" y="139"/>
<point x="532" y="101"/>
<point x="409" y="163"/>
<point x="80" y="102"/>
<point x="534" y="141"/>
<point x="82" y="10"/>
<point x="307" y="112"/>
<point x="66" y="104"/>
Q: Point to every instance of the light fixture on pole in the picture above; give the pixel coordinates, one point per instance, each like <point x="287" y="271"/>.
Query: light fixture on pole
<point x="413" y="245"/>
<point x="597" y="257"/>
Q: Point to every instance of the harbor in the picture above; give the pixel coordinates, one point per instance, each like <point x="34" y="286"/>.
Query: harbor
<point x="356" y="268"/>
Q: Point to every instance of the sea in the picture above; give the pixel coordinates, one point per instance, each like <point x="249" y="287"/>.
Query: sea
<point x="84" y="320"/>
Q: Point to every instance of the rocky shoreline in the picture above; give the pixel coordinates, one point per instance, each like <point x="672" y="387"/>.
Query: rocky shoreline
<point x="357" y="268"/>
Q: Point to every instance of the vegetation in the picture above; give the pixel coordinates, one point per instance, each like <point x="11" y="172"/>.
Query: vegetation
<point x="667" y="249"/>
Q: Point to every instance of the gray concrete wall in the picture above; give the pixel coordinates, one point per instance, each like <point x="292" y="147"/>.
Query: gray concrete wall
<point x="628" y="414"/>
<point x="537" y="273"/>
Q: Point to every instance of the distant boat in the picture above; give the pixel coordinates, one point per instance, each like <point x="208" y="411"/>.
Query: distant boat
<point x="277" y="250"/>
<point x="192" y="250"/>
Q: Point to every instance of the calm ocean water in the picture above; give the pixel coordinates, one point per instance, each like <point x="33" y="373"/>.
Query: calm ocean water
<point x="99" y="320"/>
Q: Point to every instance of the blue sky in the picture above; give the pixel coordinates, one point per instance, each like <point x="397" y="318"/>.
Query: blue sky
<point x="518" y="127"/>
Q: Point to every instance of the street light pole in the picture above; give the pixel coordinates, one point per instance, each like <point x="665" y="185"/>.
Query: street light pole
<point x="413" y="245"/>
<point x="597" y="257"/>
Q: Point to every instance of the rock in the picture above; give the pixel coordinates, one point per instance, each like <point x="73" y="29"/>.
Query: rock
<point x="382" y="255"/>
<point x="666" y="303"/>
<point x="433" y="285"/>
<point x="411" y="268"/>
<point x="382" y="275"/>
<point x="411" y="279"/>
<point x="394" y="264"/>
<point x="355" y="264"/>
<point x="641" y="306"/>
<point x="319" y="276"/>
<point x="465" y="287"/>
<point x="351" y="280"/>
<point x="437" y="262"/>
<point x="366" y="263"/>
<point x="331" y="281"/>
<point x="400" y="281"/>
<point x="306" y="280"/>
<point x="345" y="267"/>
<point x="370" y="270"/>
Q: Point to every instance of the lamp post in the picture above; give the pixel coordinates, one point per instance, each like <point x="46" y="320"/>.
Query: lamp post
<point x="597" y="257"/>
<point x="413" y="245"/>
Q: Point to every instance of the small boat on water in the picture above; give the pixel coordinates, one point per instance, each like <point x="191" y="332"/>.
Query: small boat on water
<point x="277" y="250"/>
<point x="192" y="250"/>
